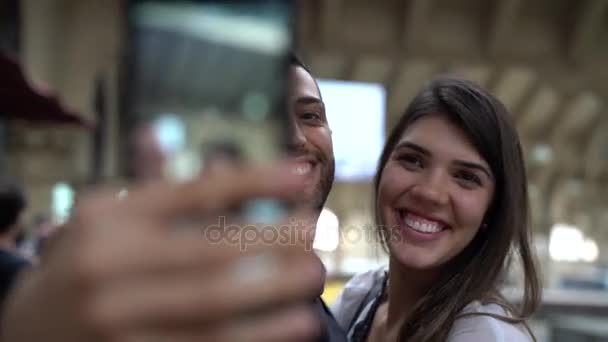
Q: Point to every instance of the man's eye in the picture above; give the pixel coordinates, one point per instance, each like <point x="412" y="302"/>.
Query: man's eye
<point x="311" y="116"/>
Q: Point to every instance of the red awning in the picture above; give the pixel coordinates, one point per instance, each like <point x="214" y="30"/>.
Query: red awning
<point x="19" y="99"/>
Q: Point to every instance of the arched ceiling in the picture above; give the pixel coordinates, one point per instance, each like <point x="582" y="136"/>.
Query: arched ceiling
<point x="546" y="60"/>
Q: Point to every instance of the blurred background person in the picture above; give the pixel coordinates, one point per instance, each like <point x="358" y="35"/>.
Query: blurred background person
<point x="35" y="236"/>
<point x="12" y="205"/>
<point x="42" y="229"/>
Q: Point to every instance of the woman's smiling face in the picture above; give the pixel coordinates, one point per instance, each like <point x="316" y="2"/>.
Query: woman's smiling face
<point x="433" y="193"/>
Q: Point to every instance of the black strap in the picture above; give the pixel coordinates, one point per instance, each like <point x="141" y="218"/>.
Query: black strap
<point x="361" y="330"/>
<point x="331" y="332"/>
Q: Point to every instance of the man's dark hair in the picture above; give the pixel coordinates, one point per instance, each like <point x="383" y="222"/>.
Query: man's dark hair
<point x="12" y="203"/>
<point x="295" y="60"/>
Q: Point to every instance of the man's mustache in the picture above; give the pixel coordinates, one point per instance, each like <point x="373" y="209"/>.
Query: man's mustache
<point x="304" y="152"/>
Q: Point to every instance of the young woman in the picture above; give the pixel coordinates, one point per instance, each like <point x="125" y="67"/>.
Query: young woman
<point x="451" y="206"/>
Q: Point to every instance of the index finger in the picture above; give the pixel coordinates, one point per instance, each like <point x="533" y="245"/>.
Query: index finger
<point x="166" y="201"/>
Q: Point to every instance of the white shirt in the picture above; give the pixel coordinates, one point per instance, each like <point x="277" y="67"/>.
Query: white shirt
<point x="465" y="329"/>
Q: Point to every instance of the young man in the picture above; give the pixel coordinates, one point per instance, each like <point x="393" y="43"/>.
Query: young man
<point x="103" y="281"/>
<point x="310" y="136"/>
<point x="312" y="150"/>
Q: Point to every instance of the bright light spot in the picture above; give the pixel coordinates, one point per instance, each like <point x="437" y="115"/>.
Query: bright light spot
<point x="184" y="166"/>
<point x="542" y="153"/>
<point x="327" y="235"/>
<point x="171" y="132"/>
<point x="563" y="242"/>
<point x="63" y="199"/>
<point x="357" y="126"/>
<point x="225" y="26"/>
<point x="567" y="243"/>
<point x="122" y="194"/>
<point x="590" y="251"/>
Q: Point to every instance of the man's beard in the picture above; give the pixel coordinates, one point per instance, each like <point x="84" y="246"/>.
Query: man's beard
<point x="322" y="189"/>
<point x="315" y="198"/>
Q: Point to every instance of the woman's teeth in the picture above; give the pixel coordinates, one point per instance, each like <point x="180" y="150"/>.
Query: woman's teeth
<point x="422" y="225"/>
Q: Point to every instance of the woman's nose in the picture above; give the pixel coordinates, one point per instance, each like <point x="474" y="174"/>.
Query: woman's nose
<point x="432" y="189"/>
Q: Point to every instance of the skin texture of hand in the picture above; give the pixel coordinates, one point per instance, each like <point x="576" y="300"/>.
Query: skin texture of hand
<point x="119" y="274"/>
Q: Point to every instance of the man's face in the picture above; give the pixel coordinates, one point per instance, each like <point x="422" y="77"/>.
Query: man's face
<point x="310" y="137"/>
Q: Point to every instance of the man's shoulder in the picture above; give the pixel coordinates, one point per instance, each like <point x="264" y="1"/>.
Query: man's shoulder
<point x="331" y="331"/>
<point x="12" y="261"/>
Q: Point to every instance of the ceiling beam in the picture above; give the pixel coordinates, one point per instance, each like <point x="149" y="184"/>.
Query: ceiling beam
<point x="513" y="86"/>
<point x="331" y="20"/>
<point x="478" y="73"/>
<point x="416" y="16"/>
<point x="525" y="101"/>
<point x="373" y="69"/>
<point x="596" y="155"/>
<point x="566" y="200"/>
<point x="447" y="58"/>
<point x="541" y="108"/>
<point x="599" y="222"/>
<point x="500" y="24"/>
<point x="546" y="185"/>
<point x="412" y="75"/>
<point x="331" y="66"/>
<point x="577" y="117"/>
<point x="586" y="29"/>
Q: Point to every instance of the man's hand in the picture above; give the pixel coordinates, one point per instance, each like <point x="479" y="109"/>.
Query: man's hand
<point x="121" y="273"/>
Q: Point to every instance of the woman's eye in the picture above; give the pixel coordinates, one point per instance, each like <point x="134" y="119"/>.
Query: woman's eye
<point x="469" y="177"/>
<point x="411" y="161"/>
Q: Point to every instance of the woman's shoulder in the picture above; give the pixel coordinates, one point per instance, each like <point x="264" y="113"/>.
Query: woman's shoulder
<point x="366" y="280"/>
<point x="353" y="294"/>
<point x="480" y="326"/>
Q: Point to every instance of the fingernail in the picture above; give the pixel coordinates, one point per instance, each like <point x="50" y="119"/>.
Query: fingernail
<point x="255" y="269"/>
<point x="265" y="211"/>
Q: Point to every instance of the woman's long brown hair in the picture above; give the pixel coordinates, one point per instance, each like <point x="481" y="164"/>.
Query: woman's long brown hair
<point x="478" y="271"/>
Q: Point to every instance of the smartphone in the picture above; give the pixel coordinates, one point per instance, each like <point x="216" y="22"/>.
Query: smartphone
<point x="205" y="88"/>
